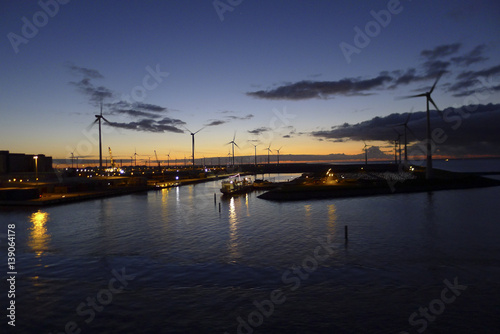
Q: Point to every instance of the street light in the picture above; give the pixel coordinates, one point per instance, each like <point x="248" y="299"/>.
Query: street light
<point x="36" y="168"/>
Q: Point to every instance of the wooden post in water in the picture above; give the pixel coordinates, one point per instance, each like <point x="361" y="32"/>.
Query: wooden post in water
<point x="215" y="199"/>
<point x="346" y="233"/>
<point x="219" y="206"/>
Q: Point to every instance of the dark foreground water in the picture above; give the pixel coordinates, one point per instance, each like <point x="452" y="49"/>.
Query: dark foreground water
<point x="170" y="262"/>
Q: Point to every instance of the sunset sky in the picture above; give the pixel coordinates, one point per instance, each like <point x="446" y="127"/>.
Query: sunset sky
<point x="316" y="77"/>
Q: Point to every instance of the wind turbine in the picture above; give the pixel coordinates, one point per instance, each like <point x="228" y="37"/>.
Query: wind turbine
<point x="233" y="143"/>
<point x="192" y="135"/>
<point x="98" y="120"/>
<point x="365" y="148"/>
<point x="268" y="149"/>
<point x="72" y="157"/>
<point x="428" y="98"/>
<point x="135" y="157"/>
<point x="255" y="157"/>
<point x="168" y="161"/>
<point x="278" y="150"/>
<point x="406" y="128"/>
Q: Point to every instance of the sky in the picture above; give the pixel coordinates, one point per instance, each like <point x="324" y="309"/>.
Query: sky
<point x="312" y="77"/>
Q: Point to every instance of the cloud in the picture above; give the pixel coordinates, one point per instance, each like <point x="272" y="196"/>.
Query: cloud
<point x="475" y="56"/>
<point x="229" y="118"/>
<point x="258" y="131"/>
<point x="434" y="62"/>
<point x="468" y="130"/>
<point x="243" y="118"/>
<point x="136" y="109"/>
<point x="323" y="89"/>
<point x="95" y="94"/>
<point x="85" y="72"/>
<point x="151" y="116"/>
<point x="216" y="122"/>
<point x="149" y="125"/>
<point x="441" y="51"/>
<point x="470" y="82"/>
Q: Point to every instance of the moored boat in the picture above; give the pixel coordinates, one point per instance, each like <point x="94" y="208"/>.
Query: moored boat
<point x="236" y="185"/>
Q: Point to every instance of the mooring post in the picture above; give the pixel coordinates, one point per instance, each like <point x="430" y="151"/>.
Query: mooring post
<point x="215" y="199"/>
<point x="219" y="206"/>
<point x="346" y="233"/>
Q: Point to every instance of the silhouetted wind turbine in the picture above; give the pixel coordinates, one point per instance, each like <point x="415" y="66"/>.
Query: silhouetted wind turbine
<point x="278" y="150"/>
<point x="406" y="128"/>
<point x="365" y="148"/>
<point x="255" y="153"/>
<point x="233" y="144"/>
<point x="428" y="171"/>
<point x="192" y="135"/>
<point x="268" y="149"/>
<point x="168" y="161"/>
<point x="98" y="120"/>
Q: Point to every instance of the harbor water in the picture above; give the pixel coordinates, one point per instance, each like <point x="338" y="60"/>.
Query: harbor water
<point x="182" y="260"/>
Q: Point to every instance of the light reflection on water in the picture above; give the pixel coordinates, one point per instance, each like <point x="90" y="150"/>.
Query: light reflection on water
<point x="189" y="256"/>
<point x="39" y="238"/>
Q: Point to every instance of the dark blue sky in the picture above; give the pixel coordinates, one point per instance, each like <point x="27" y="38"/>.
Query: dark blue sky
<point x="274" y="71"/>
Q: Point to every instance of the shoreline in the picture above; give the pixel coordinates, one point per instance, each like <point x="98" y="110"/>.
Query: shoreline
<point x="453" y="181"/>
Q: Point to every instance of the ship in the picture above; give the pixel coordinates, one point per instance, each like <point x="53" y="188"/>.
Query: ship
<point x="236" y="185"/>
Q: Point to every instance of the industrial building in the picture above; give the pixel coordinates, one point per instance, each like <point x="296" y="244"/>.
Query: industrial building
<point x="24" y="164"/>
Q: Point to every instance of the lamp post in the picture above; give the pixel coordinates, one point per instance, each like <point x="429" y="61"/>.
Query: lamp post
<point x="36" y="168"/>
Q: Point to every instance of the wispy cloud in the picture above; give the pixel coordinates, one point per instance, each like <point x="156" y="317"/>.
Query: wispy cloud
<point x="149" y="125"/>
<point x="441" y="51"/>
<point x="228" y="118"/>
<point x="475" y="56"/>
<point x="441" y="59"/>
<point x="258" y="131"/>
<point x="322" y="89"/>
<point x="151" y="117"/>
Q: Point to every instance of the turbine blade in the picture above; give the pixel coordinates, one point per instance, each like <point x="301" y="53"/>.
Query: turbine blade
<point x="408" y="118"/>
<point x="435" y="106"/>
<point x="107" y="121"/>
<point x="199" y="130"/>
<point x="236" y="144"/>
<point x="409" y="96"/>
<point x="435" y="82"/>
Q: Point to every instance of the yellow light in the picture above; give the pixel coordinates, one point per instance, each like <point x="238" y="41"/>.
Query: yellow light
<point x="39" y="237"/>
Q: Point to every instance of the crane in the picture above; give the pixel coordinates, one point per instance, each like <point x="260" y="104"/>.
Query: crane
<point x="158" y="161"/>
<point x="111" y="158"/>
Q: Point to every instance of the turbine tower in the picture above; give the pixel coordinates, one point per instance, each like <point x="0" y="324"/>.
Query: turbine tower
<point x="98" y="120"/>
<point x="192" y="135"/>
<point x="365" y="148"/>
<point x="233" y="144"/>
<point x="278" y="150"/>
<point x="428" y="98"/>
<point x="255" y="153"/>
<point x="268" y="149"/>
